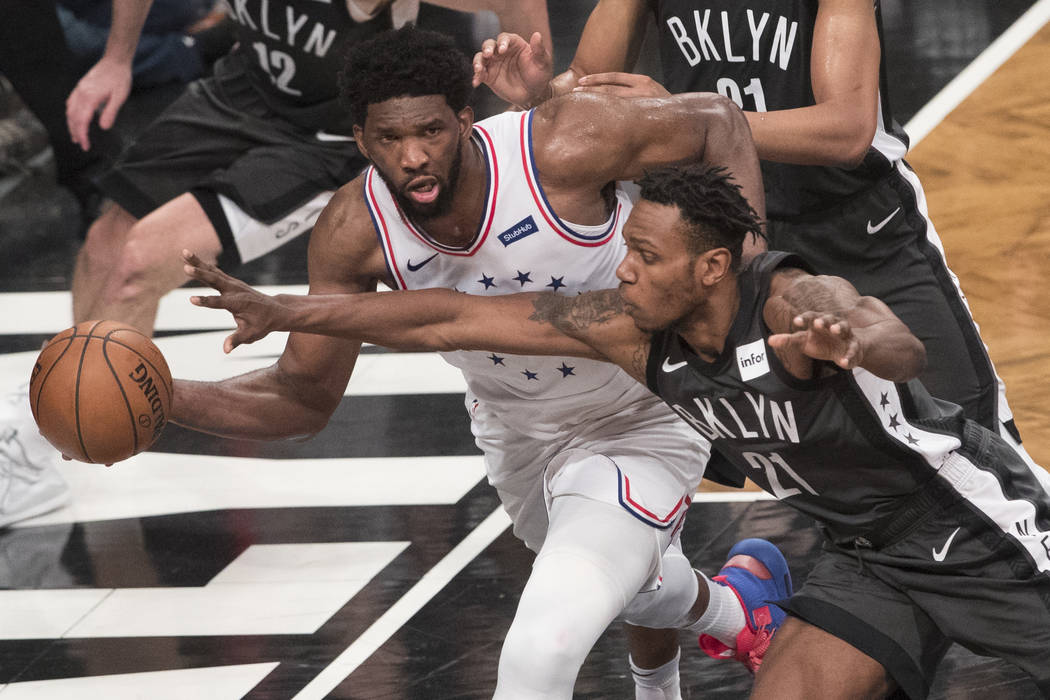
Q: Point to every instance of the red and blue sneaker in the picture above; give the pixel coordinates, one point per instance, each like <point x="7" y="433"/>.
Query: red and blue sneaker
<point x="757" y="573"/>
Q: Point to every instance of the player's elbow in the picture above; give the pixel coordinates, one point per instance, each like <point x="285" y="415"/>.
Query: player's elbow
<point x="853" y="142"/>
<point x="909" y="360"/>
<point x="916" y="354"/>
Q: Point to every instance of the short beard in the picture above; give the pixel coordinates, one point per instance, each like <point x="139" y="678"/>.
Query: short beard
<point x="440" y="206"/>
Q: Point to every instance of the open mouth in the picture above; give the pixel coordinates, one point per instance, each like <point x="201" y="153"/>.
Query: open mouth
<point x="423" y="190"/>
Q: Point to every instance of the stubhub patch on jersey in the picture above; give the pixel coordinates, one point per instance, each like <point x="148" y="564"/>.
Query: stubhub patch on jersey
<point x="525" y="227"/>
<point x="751" y="360"/>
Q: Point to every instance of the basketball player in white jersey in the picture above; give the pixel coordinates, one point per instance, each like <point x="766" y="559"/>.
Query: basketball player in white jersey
<point x="595" y="473"/>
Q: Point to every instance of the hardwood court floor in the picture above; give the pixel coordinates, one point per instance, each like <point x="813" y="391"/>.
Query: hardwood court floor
<point x="986" y="172"/>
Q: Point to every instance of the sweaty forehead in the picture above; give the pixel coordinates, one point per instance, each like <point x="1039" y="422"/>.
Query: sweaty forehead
<point x="408" y="110"/>
<point x="656" y="224"/>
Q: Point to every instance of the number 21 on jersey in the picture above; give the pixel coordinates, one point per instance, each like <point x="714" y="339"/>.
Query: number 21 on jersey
<point x="727" y="87"/>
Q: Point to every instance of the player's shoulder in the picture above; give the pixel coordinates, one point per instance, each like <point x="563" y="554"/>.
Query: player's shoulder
<point x="347" y="211"/>
<point x="344" y="240"/>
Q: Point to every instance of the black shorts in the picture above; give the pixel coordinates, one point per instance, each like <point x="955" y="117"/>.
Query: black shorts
<point x="884" y="243"/>
<point x="260" y="179"/>
<point x="974" y="569"/>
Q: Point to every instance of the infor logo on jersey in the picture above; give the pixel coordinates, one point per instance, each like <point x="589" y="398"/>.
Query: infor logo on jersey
<point x="751" y="360"/>
<point x="525" y="227"/>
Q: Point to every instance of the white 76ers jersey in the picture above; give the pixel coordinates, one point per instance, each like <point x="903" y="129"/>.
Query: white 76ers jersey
<point x="521" y="245"/>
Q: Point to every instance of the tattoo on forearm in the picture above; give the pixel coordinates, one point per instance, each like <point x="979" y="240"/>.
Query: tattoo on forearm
<point x="569" y="314"/>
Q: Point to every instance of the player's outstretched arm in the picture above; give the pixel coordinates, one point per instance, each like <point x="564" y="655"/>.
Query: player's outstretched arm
<point x="590" y="325"/>
<point x="825" y="318"/>
<point x="296" y="396"/>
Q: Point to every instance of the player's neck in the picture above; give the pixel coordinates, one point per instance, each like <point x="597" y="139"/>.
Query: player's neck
<point x="459" y="227"/>
<point x="708" y="325"/>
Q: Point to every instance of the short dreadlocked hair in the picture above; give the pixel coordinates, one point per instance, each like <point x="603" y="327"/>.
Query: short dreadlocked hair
<point x="405" y="62"/>
<point x="711" y="204"/>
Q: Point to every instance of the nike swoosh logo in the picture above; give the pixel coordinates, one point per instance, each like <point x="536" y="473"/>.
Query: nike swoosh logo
<point x="668" y="367"/>
<point x="326" y="136"/>
<point x="940" y="555"/>
<point x="879" y="226"/>
<point x="413" y="268"/>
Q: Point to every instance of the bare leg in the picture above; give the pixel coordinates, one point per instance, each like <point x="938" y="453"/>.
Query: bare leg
<point x="804" y="662"/>
<point x="94" y="263"/>
<point x="127" y="285"/>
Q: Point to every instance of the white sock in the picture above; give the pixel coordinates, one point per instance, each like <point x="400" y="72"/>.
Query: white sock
<point x="660" y="683"/>
<point x="724" y="617"/>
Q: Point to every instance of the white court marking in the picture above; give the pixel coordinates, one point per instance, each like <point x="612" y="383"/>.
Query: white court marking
<point x="215" y="683"/>
<point x="986" y="63"/>
<point x="409" y="604"/>
<point x="268" y="589"/>
<point x="154" y="483"/>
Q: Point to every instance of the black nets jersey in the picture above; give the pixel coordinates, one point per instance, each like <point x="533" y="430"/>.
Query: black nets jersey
<point x="842" y="448"/>
<point x="757" y="53"/>
<point x="292" y="52"/>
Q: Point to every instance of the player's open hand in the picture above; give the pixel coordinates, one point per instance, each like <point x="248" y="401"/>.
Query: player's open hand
<point x="822" y="336"/>
<point x="518" y="71"/>
<point x="256" y="313"/>
<point x="106" y="86"/>
<point x="621" y="85"/>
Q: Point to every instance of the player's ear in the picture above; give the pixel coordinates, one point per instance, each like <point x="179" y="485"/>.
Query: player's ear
<point x="713" y="265"/>
<point x="359" y="139"/>
<point x="465" y="117"/>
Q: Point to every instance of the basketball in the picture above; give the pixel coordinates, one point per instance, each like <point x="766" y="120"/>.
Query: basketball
<point x="100" y="392"/>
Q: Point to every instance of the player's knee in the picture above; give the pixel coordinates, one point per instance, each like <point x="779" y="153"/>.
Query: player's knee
<point x="146" y="266"/>
<point x="541" y="656"/>
<point x="105" y="237"/>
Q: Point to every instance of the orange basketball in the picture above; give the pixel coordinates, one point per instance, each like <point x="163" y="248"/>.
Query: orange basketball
<point x="100" y="392"/>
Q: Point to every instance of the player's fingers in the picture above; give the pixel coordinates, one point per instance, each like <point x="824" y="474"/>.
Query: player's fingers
<point x="210" y="302"/>
<point x="77" y="123"/>
<point x="782" y="341"/>
<point x="109" y="113"/>
<point x="803" y="320"/>
<point x="539" y="51"/>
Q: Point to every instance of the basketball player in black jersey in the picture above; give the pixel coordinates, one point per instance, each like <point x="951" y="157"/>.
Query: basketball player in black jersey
<point x="809" y="75"/>
<point x="935" y="528"/>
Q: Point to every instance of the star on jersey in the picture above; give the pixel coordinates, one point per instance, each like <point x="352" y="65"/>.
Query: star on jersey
<point x="894" y="422"/>
<point x="522" y="278"/>
<point x="911" y="440"/>
<point x="487" y="281"/>
<point x="530" y="375"/>
<point x="885" y="401"/>
<point x="496" y="359"/>
<point x="556" y="283"/>
<point x="566" y="370"/>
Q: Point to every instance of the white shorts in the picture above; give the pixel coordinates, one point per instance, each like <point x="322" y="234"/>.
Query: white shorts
<point x="653" y="467"/>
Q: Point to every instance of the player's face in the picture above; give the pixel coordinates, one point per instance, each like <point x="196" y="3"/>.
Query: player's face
<point x="656" y="276"/>
<point x="414" y="143"/>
